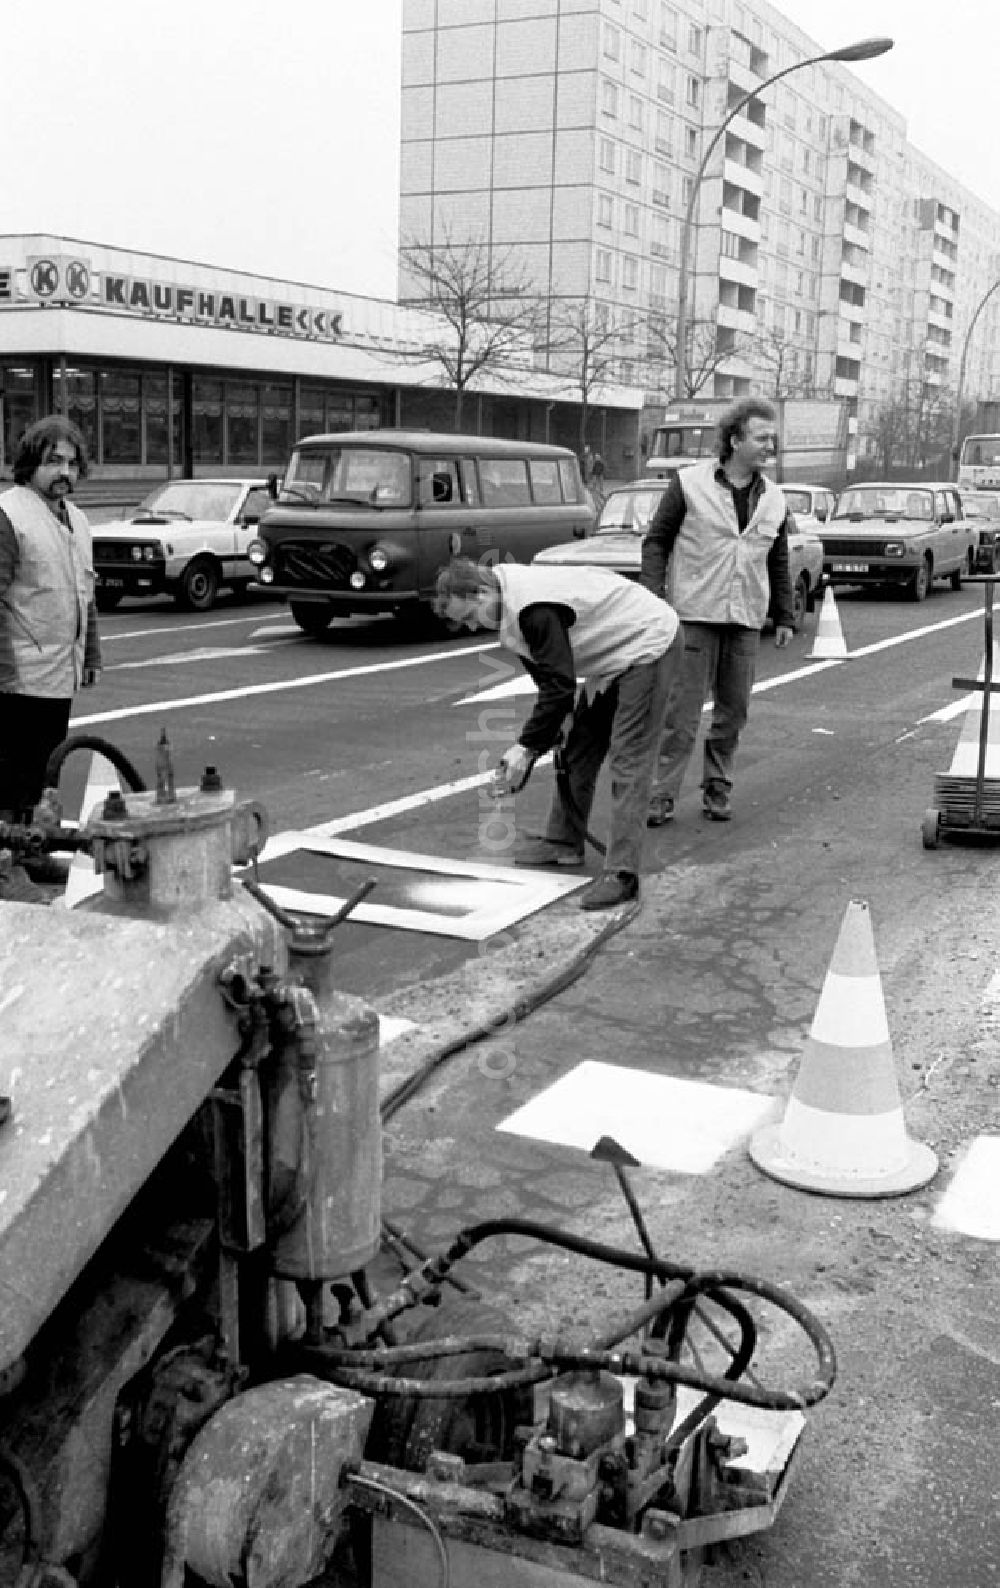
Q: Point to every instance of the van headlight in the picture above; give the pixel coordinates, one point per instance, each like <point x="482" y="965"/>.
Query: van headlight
<point x="378" y="559"/>
<point x="257" y="553"/>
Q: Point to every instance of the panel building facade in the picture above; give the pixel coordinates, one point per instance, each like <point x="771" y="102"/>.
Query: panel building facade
<point x="829" y="256"/>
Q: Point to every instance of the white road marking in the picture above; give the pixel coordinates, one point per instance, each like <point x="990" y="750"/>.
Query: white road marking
<point x="971" y="1203"/>
<point x="207" y="653"/>
<point x="411" y="802"/>
<point x="152" y="708"/>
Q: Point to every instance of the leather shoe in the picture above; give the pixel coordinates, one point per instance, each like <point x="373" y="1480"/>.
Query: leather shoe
<point x="609" y="889"/>
<point x="661" y="811"/>
<point x="547" y="852"/>
<point x="715" y="803"/>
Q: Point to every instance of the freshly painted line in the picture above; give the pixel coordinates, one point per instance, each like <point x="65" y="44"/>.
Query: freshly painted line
<point x="110" y="637"/>
<point x="915" y="634"/>
<point x="411" y="802"/>
<point x="664" y="1121"/>
<point x="156" y="707"/>
<point x="954" y="709"/>
<point x="206" y="653"/>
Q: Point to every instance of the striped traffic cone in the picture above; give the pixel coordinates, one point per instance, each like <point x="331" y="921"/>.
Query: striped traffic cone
<point x="843" y="1132"/>
<point x="829" y="642"/>
<point x="83" y="881"/>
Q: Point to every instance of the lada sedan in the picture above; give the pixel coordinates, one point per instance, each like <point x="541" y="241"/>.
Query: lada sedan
<point x="189" y="538"/>
<point x="617" y="543"/>
<point x="903" y="535"/>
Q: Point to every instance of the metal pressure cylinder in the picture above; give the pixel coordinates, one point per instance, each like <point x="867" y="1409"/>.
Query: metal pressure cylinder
<point x="324" y="1138"/>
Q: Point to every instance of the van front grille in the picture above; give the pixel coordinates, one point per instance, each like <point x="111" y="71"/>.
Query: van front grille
<point x="314" y="565"/>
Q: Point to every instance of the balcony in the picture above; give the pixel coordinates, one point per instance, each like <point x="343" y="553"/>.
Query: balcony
<point x="738" y="271"/>
<point x="740" y="175"/>
<point x="743" y="127"/>
<point x="743" y="225"/>
<point x="842" y="387"/>
<point x="863" y="157"/>
<point x="857" y="196"/>
<point x="856" y="237"/>
<point x="856" y="274"/>
<point x="745" y="78"/>
<point x="736" y="319"/>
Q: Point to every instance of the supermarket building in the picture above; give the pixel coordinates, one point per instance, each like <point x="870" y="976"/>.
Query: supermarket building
<point x="242" y="364"/>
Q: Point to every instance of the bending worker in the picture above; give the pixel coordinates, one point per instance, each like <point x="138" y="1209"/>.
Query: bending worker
<point x="723" y="526"/>
<point x="568" y="624"/>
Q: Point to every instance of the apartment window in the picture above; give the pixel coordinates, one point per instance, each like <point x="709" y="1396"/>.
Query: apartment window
<point x="785" y="196"/>
<point x="800" y="243"/>
<point x="668" y="26"/>
<point x="630" y="272"/>
<point x="612" y="42"/>
<point x="635" y="112"/>
<point x="664" y="132"/>
<point x="606" y="155"/>
<point x="633" y="166"/>
<point x="803" y="201"/>
<point x="637" y="58"/>
<point x="602" y="265"/>
<point x="687" y="187"/>
<point x="665" y="81"/>
<point x="694" y="40"/>
<point x="817" y="207"/>
<point x="605" y="210"/>
<point x="690" y="142"/>
<point x="730" y="245"/>
<point x="609" y="97"/>
<point x="630" y="220"/>
<point x="692" y="92"/>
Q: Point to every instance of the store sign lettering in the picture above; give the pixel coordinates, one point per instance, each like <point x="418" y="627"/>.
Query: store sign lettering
<point x="218" y="308"/>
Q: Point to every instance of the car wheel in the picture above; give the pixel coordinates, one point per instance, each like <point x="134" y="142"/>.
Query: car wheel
<point x="961" y="573"/>
<point x="107" y="600"/>
<point x="930" y="828"/>
<point x="800" y="602"/>
<point x="199" y="586"/>
<point x="921" y="581"/>
<point x="312" y="617"/>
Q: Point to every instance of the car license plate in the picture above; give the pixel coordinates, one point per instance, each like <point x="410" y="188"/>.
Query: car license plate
<point x="850" y="567"/>
<point x="110" y="584"/>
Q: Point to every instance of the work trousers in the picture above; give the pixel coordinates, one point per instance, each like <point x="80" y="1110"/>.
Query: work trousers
<point x="621" y="725"/>
<point x="719" y="659"/>
<point x="30" y="728"/>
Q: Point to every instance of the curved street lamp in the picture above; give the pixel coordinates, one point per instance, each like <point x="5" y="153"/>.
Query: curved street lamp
<point x="956" y="423"/>
<point x="863" y="50"/>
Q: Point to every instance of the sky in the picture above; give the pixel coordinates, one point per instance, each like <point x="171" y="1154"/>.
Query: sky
<point x="264" y="134"/>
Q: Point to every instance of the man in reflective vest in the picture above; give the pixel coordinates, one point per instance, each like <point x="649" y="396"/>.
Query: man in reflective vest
<point x="723" y="528"/>
<point x="49" y="643"/>
<point x="573" y="625"/>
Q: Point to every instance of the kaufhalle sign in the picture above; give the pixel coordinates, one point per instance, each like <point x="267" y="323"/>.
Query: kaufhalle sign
<point x="60" y="279"/>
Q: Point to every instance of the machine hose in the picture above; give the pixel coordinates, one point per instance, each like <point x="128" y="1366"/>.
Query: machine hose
<point x="92" y="741"/>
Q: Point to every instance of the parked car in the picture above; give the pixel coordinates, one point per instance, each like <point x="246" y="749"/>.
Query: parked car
<point x="904" y="535"/>
<point x="811" y="504"/>
<point x="189" y="538"/>
<point x="616" y="543"/>
<point x="983" y="507"/>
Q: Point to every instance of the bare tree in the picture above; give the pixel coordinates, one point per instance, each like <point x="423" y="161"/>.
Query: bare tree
<point x="770" y="350"/>
<point x="912" y="427"/>
<point x="705" y="352"/>
<point x="485" y="302"/>
<point x="584" y="342"/>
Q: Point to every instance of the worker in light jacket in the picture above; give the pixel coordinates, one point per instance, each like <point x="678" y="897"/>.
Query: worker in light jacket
<point x="573" y="627"/>
<point x="722" y="527"/>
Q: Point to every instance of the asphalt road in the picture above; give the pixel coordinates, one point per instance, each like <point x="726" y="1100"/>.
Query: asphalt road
<point x="717" y="981"/>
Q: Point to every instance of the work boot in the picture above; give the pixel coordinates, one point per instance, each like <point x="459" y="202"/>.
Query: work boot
<point x="715" y="802"/>
<point x="609" y="889"/>
<point x="661" y="811"/>
<point x="548" y="852"/>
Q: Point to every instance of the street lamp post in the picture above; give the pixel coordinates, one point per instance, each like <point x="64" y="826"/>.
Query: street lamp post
<point x="863" y="50"/>
<point x="956" y="423"/>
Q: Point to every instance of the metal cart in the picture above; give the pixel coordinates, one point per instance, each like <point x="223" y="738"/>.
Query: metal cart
<point x="970" y="804"/>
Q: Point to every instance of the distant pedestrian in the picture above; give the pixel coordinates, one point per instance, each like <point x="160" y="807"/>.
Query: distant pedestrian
<point x="587" y="464"/>
<point x="597" y="469"/>
<point x="49" y="643"/>
<point x="566" y="624"/>
<point x="723" y="527"/>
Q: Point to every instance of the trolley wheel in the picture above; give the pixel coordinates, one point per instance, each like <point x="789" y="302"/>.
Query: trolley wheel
<point x="930" y="828"/>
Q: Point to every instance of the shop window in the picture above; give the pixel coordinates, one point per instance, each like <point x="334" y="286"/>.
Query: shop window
<point x="121" y="429"/>
<point x="312" y="411"/>
<point x="242" y="405"/>
<point x="368" y="413"/>
<point x="276" y="423"/>
<point x="206" y="416"/>
<point x="19" y="408"/>
<point x="339" y="411"/>
<point x="78" y="400"/>
<point x="154" y="408"/>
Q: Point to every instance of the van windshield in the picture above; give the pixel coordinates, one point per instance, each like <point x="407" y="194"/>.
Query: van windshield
<point x="363" y="476"/>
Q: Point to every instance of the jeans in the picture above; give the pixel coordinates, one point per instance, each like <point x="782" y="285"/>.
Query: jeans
<point x="622" y="724"/>
<point x="719" y="659"/>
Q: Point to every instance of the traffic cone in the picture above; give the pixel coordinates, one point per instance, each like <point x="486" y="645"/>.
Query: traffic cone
<point x="843" y="1132"/>
<point x="829" y="641"/>
<point x="965" y="762"/>
<point x="83" y="880"/>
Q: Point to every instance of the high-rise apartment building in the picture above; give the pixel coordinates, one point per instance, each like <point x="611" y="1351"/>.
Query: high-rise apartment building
<point x="828" y="255"/>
